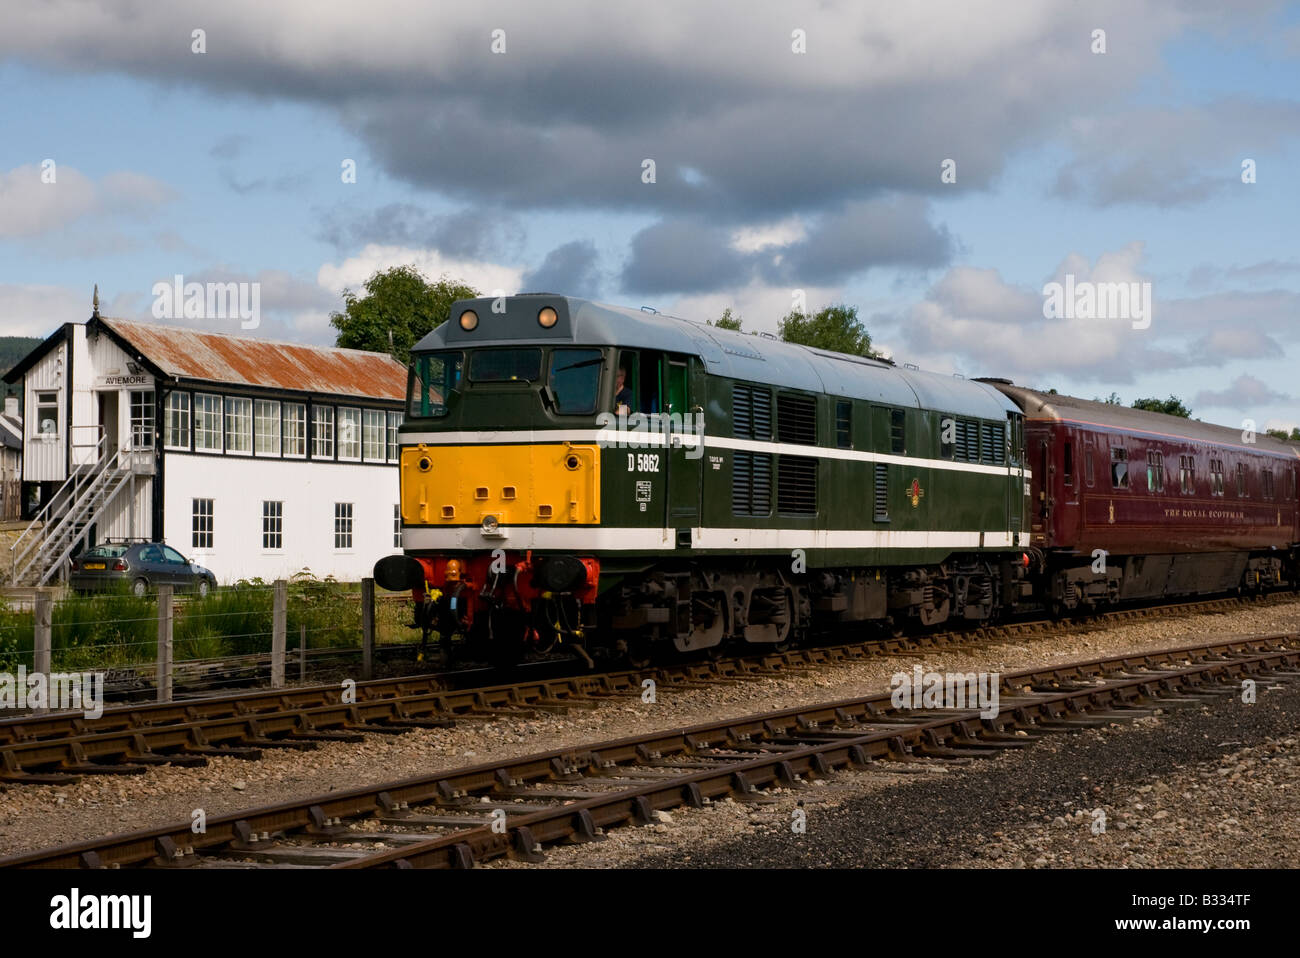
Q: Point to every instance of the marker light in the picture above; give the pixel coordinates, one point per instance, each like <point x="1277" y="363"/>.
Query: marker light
<point x="547" y="317"/>
<point x="468" y="320"/>
<point x="490" y="525"/>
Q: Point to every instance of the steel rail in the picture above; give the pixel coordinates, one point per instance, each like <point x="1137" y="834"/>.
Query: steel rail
<point x="686" y="766"/>
<point x="58" y="748"/>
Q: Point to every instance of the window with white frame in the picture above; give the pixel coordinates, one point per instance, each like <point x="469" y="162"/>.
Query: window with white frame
<point x="373" y="435"/>
<point x="322" y="439"/>
<point x="266" y="427"/>
<point x="397" y="526"/>
<point x="142" y="419"/>
<point x="394" y="421"/>
<point x="47" y="413"/>
<point x="342" y="525"/>
<point x="272" y="524"/>
<point x="207" y="422"/>
<point x="295" y="429"/>
<point x="239" y="424"/>
<point x="201" y="526"/>
<point x="176" y="421"/>
<point x="349" y="433"/>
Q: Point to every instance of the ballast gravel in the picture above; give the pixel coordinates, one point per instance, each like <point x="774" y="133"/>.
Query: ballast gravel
<point x="41" y="816"/>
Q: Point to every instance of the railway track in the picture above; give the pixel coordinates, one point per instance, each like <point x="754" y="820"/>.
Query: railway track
<point x="59" y="748"/>
<point x="459" y="817"/>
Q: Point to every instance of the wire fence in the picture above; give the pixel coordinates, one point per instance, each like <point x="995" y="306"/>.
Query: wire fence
<point x="161" y="645"/>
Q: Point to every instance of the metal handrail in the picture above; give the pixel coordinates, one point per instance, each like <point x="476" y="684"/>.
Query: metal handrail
<point x="115" y="468"/>
<point x="70" y="488"/>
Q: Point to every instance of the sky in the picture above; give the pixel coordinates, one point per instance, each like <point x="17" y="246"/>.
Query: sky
<point x="937" y="164"/>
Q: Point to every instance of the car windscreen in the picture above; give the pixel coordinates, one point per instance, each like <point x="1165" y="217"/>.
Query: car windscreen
<point x="505" y="365"/>
<point x="105" y="552"/>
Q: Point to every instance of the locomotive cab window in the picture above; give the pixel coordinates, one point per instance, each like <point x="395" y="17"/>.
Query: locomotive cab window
<point x="575" y="380"/>
<point x="505" y="365"/>
<point x="433" y="377"/>
<point x="1119" y="467"/>
<point x="642" y="382"/>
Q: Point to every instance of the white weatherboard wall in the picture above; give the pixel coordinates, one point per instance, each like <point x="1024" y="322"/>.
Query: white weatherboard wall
<point x="45" y="456"/>
<point x="309" y="490"/>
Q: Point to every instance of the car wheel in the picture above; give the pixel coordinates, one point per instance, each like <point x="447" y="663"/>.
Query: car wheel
<point x="139" y="587"/>
<point x="203" y="588"/>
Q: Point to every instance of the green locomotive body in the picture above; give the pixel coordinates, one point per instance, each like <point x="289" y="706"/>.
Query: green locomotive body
<point x="615" y="477"/>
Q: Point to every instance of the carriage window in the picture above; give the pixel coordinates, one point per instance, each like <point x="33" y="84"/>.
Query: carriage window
<point x="1155" y="471"/>
<point x="1087" y="467"/>
<point x="575" y="380"/>
<point x="1119" y="468"/>
<point x="1241" y="480"/>
<point x="505" y="365"/>
<point x="1067" y="463"/>
<point x="433" y="377"/>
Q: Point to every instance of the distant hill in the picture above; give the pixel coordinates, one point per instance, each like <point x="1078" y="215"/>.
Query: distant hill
<point x="12" y="351"/>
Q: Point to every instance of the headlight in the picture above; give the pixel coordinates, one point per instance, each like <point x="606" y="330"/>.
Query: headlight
<point x="468" y="320"/>
<point x="490" y="525"/>
<point x="547" y="317"/>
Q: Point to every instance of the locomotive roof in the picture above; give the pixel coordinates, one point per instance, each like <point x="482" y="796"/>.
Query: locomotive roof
<point x="1040" y="405"/>
<point x="760" y="359"/>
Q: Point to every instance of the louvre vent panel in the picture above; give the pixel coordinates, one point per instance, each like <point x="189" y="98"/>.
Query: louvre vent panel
<point x="796" y="488"/>
<point x="751" y="484"/>
<point x="796" y="419"/>
<point x="751" y="412"/>
<point x="994" y="447"/>
<point x="882" y="491"/>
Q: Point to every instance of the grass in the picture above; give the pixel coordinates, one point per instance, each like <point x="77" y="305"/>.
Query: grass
<point x="119" y="629"/>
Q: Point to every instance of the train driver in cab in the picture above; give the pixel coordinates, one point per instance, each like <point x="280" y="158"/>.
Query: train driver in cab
<point x="622" y="392"/>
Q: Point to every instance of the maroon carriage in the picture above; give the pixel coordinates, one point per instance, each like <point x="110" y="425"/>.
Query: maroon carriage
<point x="1129" y="505"/>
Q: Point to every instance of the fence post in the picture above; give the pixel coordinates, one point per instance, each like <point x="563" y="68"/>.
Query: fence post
<point x="302" y="654"/>
<point x="279" y="625"/>
<point x="367" y="628"/>
<point x="165" y="622"/>
<point x="44" y="620"/>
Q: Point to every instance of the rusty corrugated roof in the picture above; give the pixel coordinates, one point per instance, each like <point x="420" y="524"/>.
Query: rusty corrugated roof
<point x="212" y="357"/>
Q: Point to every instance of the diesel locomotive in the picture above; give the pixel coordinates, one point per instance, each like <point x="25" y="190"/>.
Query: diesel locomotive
<point x="619" y="480"/>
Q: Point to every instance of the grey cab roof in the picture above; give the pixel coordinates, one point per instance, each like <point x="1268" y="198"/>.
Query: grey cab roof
<point x="759" y="359"/>
<point x="1040" y="405"/>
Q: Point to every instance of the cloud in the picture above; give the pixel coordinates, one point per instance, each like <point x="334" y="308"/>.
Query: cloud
<point x="1171" y="157"/>
<point x="687" y="255"/>
<point x="34" y="208"/>
<point x="570" y="269"/>
<point x="566" y="115"/>
<point x="487" y="277"/>
<point x="1244" y="393"/>
<point x="470" y="233"/>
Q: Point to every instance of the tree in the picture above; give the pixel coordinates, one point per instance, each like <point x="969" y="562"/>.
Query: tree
<point x="836" y="328"/>
<point x="1293" y="435"/>
<point x="1111" y="400"/>
<point x="1173" y="406"/>
<point x="728" y="320"/>
<point x="399" y="306"/>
